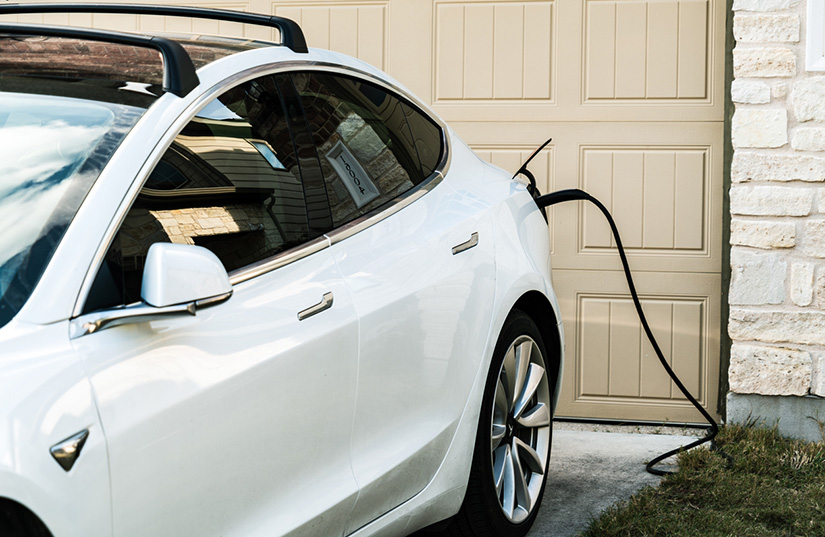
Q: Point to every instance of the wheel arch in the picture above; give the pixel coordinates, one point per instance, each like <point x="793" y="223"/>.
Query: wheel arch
<point x="536" y="305"/>
<point x="20" y="521"/>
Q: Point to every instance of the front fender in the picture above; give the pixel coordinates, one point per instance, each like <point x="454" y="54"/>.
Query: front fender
<point x="46" y="397"/>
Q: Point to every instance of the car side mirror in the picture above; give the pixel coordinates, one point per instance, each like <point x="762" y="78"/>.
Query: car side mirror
<point x="182" y="273"/>
<point x="178" y="279"/>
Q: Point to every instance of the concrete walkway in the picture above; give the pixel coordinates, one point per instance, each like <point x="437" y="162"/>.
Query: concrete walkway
<point x="593" y="467"/>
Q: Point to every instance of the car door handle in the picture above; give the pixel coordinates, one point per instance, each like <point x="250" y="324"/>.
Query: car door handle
<point x="324" y="304"/>
<point x="464" y="246"/>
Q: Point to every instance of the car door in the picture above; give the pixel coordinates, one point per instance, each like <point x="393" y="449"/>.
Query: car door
<point x="418" y="258"/>
<point x="236" y="421"/>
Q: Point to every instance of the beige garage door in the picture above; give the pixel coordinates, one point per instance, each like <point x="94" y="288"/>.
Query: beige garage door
<point x="631" y="91"/>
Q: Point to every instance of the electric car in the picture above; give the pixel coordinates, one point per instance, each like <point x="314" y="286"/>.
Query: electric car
<point x="251" y="288"/>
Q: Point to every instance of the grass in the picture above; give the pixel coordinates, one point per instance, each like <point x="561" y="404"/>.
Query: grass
<point x="775" y="487"/>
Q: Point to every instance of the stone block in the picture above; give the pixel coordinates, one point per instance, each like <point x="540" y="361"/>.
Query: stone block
<point x="794" y="416"/>
<point x="761" y="200"/>
<point x="760" y="127"/>
<point x="779" y="90"/>
<point x="802" y="283"/>
<point x="808" y="98"/>
<point x="765" y="62"/>
<point x="763" y="5"/>
<point x="805" y="327"/>
<point x="761" y="234"/>
<point x="210" y="223"/>
<point x="819" y="290"/>
<point x="809" y="139"/>
<point x="752" y="166"/>
<point x="750" y="92"/>
<point x="813" y="238"/>
<point x="818" y="376"/>
<point x="366" y="145"/>
<point x="766" y="28"/>
<point x="769" y="370"/>
<point x="757" y="278"/>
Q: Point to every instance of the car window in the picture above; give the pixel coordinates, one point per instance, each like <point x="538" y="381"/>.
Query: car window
<point x="369" y="154"/>
<point x="51" y="151"/>
<point x="231" y="182"/>
<point x="426" y="137"/>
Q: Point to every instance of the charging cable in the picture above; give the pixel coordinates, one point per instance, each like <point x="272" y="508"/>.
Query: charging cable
<point x="574" y="194"/>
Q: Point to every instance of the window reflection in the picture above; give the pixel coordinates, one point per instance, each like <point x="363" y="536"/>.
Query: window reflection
<point x="51" y="151"/>
<point x="229" y="182"/>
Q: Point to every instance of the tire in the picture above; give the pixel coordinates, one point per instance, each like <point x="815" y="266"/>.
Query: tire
<point x="512" y="449"/>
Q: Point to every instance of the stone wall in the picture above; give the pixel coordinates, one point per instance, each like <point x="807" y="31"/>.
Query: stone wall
<point x="777" y="205"/>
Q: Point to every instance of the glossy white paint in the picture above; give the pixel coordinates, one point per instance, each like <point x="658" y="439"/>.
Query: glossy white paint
<point x="424" y="324"/>
<point x="227" y="422"/>
<point x="243" y="420"/>
<point x="178" y="273"/>
<point x="45" y="397"/>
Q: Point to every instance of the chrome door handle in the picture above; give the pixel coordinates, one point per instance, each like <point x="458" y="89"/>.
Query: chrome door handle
<point x="464" y="246"/>
<point x="324" y="304"/>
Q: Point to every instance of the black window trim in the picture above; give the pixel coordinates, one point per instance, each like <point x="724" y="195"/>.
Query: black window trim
<point x="299" y="252"/>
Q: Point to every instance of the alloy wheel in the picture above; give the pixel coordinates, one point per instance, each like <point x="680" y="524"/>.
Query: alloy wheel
<point x="520" y="429"/>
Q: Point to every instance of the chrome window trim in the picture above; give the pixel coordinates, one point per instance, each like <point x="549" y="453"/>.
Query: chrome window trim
<point x="278" y="260"/>
<point x="283" y="258"/>
<point x="393" y="206"/>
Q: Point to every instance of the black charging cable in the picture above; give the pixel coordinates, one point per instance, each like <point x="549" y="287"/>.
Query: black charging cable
<point x="575" y="194"/>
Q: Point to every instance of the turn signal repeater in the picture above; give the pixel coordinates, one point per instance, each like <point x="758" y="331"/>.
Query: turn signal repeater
<point x="67" y="451"/>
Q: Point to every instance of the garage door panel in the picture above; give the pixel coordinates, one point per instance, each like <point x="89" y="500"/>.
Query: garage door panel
<point x="694" y="64"/>
<point x="639" y="50"/>
<point x="600" y="52"/>
<point x="662" y="50"/>
<point x="508" y="82"/>
<point x="627" y="200"/>
<point x="483" y="49"/>
<point x="631" y="49"/>
<point x="339" y="26"/>
<point x="478" y="60"/>
<point x="493" y="56"/>
<point x="612" y="369"/>
<point x="661" y="199"/>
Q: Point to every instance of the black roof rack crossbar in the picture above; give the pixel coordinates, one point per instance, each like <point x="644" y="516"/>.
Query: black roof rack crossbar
<point x="179" y="75"/>
<point x="291" y="34"/>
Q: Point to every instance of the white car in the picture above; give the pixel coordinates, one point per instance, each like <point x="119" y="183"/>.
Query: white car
<point x="256" y="289"/>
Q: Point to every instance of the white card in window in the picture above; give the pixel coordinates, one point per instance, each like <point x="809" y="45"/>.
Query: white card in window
<point x="355" y="179"/>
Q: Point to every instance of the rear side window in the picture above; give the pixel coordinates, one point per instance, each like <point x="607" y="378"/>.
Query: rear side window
<point x="372" y="145"/>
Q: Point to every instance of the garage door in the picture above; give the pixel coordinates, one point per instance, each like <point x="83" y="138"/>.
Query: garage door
<point x="631" y="91"/>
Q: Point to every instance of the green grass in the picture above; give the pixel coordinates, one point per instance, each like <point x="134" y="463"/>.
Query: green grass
<point x="775" y="487"/>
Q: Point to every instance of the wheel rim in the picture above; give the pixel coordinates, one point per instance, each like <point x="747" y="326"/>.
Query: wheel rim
<point x="520" y="429"/>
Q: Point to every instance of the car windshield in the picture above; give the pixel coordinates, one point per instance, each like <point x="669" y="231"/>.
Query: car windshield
<point x="51" y="151"/>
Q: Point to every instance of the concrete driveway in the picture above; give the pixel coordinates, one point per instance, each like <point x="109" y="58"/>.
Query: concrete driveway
<point x="593" y="467"/>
